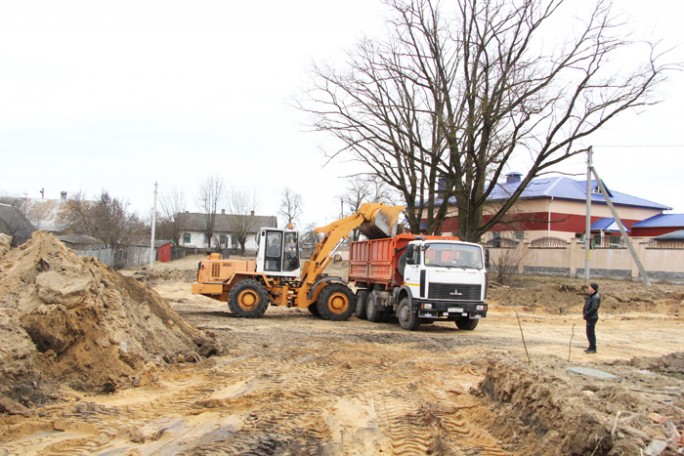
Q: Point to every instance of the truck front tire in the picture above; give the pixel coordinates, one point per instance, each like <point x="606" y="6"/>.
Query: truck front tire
<point x="336" y="302"/>
<point x="248" y="298"/>
<point x="466" y="323"/>
<point x="408" y="319"/>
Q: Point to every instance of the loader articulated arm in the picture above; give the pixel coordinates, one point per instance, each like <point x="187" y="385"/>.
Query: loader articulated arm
<point x="375" y="220"/>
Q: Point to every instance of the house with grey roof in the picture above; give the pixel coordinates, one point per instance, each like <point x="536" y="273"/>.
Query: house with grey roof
<point x="227" y="228"/>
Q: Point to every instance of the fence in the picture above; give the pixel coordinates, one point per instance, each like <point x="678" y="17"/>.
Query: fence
<point x="548" y="256"/>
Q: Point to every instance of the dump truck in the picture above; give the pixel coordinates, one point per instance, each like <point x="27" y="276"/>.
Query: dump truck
<point x="276" y="276"/>
<point x="419" y="279"/>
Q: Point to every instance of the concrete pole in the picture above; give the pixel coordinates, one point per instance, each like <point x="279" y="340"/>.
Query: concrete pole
<point x="587" y="230"/>
<point x="154" y="226"/>
<point x="623" y="232"/>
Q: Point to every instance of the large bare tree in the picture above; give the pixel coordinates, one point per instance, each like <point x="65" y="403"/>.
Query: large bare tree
<point x="461" y="89"/>
<point x="211" y="195"/>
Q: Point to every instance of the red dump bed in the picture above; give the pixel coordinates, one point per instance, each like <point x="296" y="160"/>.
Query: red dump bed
<point x="376" y="261"/>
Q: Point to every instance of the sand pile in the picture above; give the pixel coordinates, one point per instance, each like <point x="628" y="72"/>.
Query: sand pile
<point x="72" y="320"/>
<point x="566" y="296"/>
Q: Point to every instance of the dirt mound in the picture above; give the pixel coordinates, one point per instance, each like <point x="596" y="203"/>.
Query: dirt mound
<point x="565" y="296"/>
<point x="165" y="275"/>
<point x="544" y="407"/>
<point x="5" y="243"/>
<point x="72" y="320"/>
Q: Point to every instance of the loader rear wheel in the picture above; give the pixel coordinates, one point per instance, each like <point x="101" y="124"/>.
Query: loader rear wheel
<point x="361" y="299"/>
<point x="408" y="319"/>
<point x="314" y="310"/>
<point x="248" y="298"/>
<point x="336" y="302"/>
<point x="466" y="323"/>
<point x="374" y="310"/>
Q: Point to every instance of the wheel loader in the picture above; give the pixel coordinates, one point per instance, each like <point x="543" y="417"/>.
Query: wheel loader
<point x="276" y="276"/>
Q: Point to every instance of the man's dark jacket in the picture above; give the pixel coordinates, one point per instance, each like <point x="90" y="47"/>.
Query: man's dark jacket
<point x="591" y="306"/>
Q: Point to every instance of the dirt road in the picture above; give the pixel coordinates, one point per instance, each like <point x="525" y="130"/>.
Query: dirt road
<point x="292" y="384"/>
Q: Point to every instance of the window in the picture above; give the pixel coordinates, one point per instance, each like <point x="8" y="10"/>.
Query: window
<point x="187" y="238"/>
<point x="223" y="240"/>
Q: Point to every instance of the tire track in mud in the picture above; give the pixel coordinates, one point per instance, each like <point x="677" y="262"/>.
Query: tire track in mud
<point x="315" y="389"/>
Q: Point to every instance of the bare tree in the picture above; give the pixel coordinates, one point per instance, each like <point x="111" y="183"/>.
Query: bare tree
<point x="241" y="222"/>
<point x="171" y="204"/>
<point x="458" y="99"/>
<point x="107" y="219"/>
<point x="291" y="206"/>
<point x="211" y="194"/>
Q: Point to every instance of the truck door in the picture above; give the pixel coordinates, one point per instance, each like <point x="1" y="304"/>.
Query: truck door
<point x="412" y="271"/>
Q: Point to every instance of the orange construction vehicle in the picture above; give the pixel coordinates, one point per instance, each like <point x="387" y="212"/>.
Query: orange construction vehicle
<point x="276" y="276"/>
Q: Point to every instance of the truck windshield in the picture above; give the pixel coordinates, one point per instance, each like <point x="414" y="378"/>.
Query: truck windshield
<point x="443" y="255"/>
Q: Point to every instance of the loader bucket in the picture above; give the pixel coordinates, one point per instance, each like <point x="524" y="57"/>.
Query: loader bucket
<point x="381" y="221"/>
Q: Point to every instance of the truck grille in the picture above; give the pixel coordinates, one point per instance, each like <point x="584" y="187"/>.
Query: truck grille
<point x="452" y="291"/>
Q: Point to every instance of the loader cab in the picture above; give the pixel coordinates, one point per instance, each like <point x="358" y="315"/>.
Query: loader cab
<point x="278" y="252"/>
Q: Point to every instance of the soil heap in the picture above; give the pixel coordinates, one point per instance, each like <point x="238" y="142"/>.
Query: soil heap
<point x="71" y="320"/>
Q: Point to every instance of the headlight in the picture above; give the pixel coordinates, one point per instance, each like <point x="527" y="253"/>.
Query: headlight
<point x="427" y="306"/>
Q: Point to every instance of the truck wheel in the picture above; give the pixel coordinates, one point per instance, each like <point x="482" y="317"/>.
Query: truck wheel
<point x="361" y="300"/>
<point x="466" y="323"/>
<point x="373" y="308"/>
<point x="248" y="298"/>
<point x="408" y="319"/>
<point x="336" y="302"/>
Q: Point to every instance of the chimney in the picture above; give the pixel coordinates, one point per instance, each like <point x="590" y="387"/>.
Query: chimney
<point x="63" y="195"/>
<point x="251" y="213"/>
<point x="223" y="212"/>
<point x="512" y="178"/>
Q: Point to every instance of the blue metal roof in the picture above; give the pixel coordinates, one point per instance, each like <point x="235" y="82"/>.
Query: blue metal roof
<point x="673" y="236"/>
<point x="562" y="187"/>
<point x="606" y="224"/>
<point x="662" y="221"/>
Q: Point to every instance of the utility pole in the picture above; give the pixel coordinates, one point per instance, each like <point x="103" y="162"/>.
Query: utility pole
<point x="587" y="238"/>
<point x="154" y="226"/>
<point x="587" y="228"/>
<point x="623" y="232"/>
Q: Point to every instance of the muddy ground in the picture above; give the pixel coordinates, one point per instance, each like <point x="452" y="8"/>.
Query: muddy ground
<point x="292" y="384"/>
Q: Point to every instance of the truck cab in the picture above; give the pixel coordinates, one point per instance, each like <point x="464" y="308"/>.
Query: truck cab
<point x="446" y="280"/>
<point x="420" y="279"/>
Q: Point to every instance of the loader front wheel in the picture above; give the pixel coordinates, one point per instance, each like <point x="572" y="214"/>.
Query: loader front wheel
<point x="248" y="299"/>
<point x="336" y="302"/>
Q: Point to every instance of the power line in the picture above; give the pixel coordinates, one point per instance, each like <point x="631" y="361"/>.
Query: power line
<point x="641" y="146"/>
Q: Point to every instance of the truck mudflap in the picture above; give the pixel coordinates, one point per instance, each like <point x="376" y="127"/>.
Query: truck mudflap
<point x="452" y="310"/>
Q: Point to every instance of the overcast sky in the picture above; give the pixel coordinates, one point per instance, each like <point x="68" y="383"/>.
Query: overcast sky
<point x="119" y="95"/>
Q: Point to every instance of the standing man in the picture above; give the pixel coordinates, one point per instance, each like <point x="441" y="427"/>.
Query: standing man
<point x="591" y="307"/>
